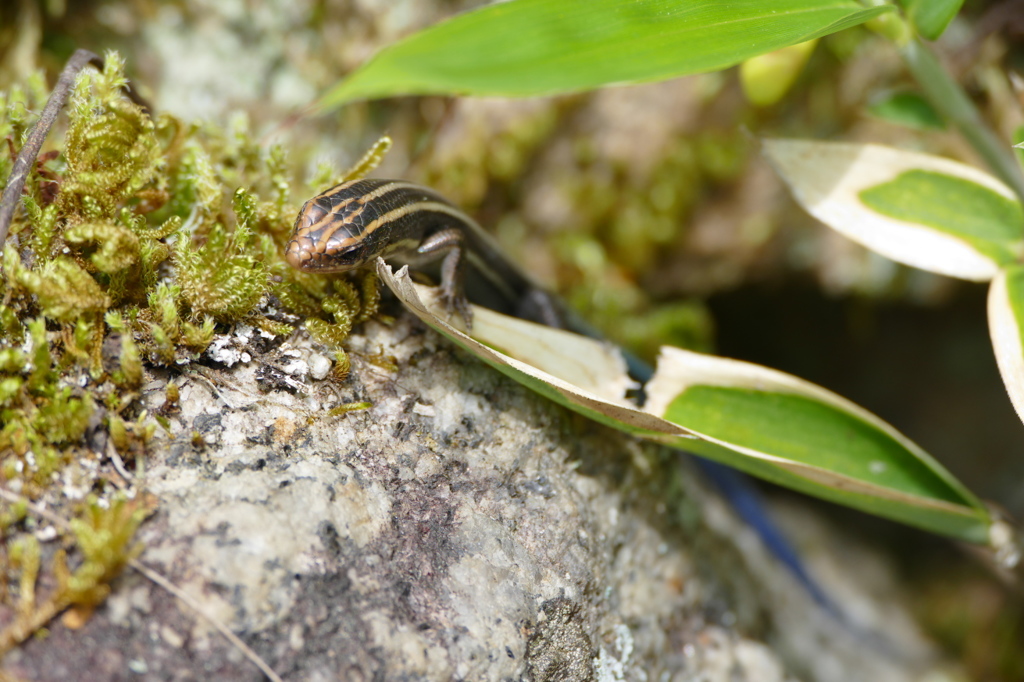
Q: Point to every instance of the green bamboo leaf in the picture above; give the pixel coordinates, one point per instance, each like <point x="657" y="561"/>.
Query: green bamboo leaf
<point x="760" y="421"/>
<point x="931" y="17"/>
<point x="917" y="209"/>
<point x="540" y="47"/>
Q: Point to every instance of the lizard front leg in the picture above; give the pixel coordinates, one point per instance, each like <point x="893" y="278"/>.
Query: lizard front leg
<point x="451" y="243"/>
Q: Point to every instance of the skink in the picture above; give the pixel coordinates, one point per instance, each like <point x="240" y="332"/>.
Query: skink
<point x="348" y="226"/>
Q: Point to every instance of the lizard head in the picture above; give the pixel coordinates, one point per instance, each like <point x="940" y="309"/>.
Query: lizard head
<point x="323" y="241"/>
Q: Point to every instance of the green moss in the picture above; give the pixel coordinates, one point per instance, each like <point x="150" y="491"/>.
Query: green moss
<point x="349" y="407"/>
<point x="222" y="278"/>
<point x="103" y="534"/>
<point x="63" y="289"/>
<point x="111" y="149"/>
<point x="140" y="239"/>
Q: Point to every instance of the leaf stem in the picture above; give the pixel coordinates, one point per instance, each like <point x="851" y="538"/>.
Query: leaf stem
<point x="948" y="97"/>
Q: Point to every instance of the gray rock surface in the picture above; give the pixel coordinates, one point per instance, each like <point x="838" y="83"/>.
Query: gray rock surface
<point x="460" y="528"/>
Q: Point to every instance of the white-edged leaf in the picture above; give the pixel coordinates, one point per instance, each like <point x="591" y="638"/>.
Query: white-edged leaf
<point x="756" y="409"/>
<point x="896" y="479"/>
<point x="1006" y="327"/>
<point x="594" y="366"/>
<point x="602" y="400"/>
<point x="917" y="209"/>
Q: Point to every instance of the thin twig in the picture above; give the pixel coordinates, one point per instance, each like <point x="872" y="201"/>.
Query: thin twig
<point x="159" y="580"/>
<point x="27" y="157"/>
<point x="115" y="459"/>
<point x="289" y="121"/>
<point x="198" y="608"/>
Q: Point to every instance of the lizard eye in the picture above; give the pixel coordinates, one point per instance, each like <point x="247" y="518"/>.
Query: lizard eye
<point x="342" y="256"/>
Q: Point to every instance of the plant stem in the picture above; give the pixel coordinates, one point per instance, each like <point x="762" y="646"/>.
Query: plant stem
<point x="948" y="97"/>
<point x="23" y="164"/>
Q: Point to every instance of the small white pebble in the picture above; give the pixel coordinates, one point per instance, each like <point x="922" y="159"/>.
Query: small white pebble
<point x="423" y="410"/>
<point x="72" y="492"/>
<point x="172" y="637"/>
<point x="220" y="351"/>
<point x="295" y="638"/>
<point x="243" y="332"/>
<point x="46" y="534"/>
<point x="319" y="366"/>
<point x="296" y="368"/>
